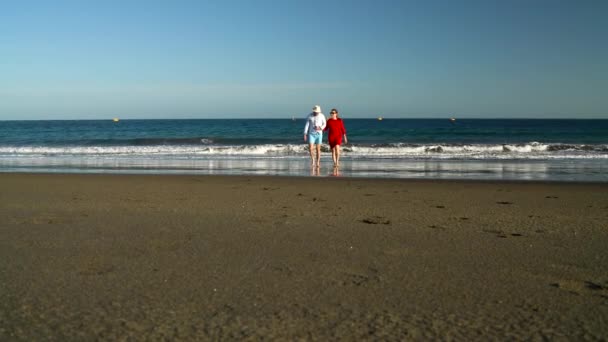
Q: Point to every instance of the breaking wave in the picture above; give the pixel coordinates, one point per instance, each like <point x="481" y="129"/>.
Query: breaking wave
<point x="200" y="147"/>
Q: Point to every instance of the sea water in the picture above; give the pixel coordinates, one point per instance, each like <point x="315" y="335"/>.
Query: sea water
<point x="516" y="149"/>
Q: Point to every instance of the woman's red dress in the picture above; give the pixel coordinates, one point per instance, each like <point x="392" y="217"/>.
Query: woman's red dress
<point x="336" y="131"/>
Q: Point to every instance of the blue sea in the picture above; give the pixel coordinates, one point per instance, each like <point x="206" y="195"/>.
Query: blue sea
<point x="553" y="150"/>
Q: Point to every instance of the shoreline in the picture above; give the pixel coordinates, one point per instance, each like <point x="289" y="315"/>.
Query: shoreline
<point x="593" y="171"/>
<point x="309" y="177"/>
<point x="312" y="177"/>
<point x="110" y="256"/>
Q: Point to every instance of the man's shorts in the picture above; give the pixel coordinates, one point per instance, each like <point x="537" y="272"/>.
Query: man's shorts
<point x="315" y="138"/>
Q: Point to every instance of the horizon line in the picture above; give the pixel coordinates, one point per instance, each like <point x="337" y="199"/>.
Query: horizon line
<point x="380" y="118"/>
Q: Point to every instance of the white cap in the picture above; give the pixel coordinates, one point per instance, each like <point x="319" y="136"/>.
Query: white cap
<point x="316" y="109"/>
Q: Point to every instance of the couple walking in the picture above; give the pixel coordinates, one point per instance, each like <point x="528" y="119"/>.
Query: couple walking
<point x="313" y="132"/>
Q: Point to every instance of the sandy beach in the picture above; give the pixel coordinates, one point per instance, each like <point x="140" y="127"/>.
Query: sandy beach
<point x="113" y="257"/>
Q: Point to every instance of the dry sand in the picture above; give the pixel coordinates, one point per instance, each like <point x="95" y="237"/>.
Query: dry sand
<point x="110" y="257"/>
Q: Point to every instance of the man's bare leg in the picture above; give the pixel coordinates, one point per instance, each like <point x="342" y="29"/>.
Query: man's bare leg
<point x="311" y="148"/>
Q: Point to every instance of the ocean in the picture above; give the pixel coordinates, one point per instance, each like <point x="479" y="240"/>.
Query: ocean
<point x="483" y="149"/>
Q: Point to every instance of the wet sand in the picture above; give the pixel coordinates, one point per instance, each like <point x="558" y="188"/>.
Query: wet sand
<point x="109" y="257"/>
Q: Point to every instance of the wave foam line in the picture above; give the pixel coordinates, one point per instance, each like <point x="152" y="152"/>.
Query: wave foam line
<point x="399" y="150"/>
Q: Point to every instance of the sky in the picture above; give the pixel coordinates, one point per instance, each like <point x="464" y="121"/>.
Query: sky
<point x="276" y="59"/>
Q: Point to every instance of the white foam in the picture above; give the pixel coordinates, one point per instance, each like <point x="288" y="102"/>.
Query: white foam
<point x="533" y="150"/>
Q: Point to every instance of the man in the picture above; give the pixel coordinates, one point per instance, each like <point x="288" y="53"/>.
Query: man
<point x="313" y="132"/>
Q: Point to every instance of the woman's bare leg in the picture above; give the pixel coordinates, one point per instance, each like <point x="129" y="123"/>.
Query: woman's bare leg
<point x="337" y="158"/>
<point x="333" y="155"/>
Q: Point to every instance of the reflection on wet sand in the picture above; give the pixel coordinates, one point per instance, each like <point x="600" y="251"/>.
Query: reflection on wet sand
<point x="542" y="170"/>
<point x="336" y="171"/>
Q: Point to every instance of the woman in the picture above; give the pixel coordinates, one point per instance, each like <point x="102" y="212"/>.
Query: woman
<point x="335" y="127"/>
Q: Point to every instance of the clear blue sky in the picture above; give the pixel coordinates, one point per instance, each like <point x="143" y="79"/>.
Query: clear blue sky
<point x="275" y="59"/>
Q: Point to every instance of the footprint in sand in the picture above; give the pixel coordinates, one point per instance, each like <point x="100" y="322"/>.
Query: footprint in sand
<point x="504" y="202"/>
<point x="587" y="287"/>
<point x="595" y="286"/>
<point x="551" y="197"/>
<point x="499" y="233"/>
<point x="360" y="278"/>
<point x="502" y="234"/>
<point x="462" y="218"/>
<point x="376" y="220"/>
<point x="96" y="269"/>
<point x="437" y="227"/>
<point x="282" y="269"/>
<point x="440" y="207"/>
